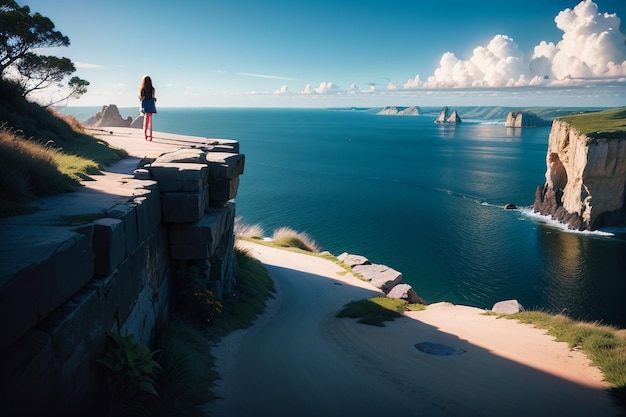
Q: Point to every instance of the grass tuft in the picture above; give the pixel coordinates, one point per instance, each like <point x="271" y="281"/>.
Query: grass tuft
<point x="289" y="238"/>
<point x="247" y="231"/>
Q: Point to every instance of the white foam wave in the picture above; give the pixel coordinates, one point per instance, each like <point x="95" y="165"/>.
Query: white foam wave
<point x="549" y="221"/>
<point x="492" y="122"/>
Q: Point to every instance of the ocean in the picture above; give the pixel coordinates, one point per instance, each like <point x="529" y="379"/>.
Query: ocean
<point x="424" y="199"/>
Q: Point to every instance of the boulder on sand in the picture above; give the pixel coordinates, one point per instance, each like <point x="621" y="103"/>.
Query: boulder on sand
<point x="507" y="307"/>
<point x="405" y="292"/>
<point x="380" y="276"/>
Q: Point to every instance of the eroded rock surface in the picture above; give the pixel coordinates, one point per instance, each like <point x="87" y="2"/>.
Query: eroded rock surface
<point x="585" y="179"/>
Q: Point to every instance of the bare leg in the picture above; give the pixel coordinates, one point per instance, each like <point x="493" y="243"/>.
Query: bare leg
<point x="147" y="126"/>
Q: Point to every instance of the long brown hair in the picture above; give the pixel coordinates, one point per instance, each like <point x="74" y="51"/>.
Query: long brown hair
<point x="146" y="90"/>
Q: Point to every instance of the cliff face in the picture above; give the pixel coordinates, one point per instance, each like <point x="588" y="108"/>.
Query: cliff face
<point x="585" y="179"/>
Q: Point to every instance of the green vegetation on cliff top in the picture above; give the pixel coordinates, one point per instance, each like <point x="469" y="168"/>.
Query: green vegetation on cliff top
<point x="43" y="153"/>
<point x="609" y="121"/>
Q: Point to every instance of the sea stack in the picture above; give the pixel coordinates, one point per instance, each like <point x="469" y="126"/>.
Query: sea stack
<point x="109" y="116"/>
<point x="586" y="171"/>
<point x="446" y="117"/>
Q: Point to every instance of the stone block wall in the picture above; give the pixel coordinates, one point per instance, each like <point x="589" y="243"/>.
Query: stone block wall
<point x="63" y="288"/>
<point x="197" y="188"/>
<point x="109" y="275"/>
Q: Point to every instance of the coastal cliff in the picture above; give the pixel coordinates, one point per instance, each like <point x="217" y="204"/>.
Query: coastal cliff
<point x="586" y="171"/>
<point x="520" y="118"/>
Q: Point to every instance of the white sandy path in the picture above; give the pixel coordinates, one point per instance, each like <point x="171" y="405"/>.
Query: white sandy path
<point x="298" y="359"/>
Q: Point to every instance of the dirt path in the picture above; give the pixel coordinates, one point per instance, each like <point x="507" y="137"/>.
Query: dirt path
<point x="300" y="360"/>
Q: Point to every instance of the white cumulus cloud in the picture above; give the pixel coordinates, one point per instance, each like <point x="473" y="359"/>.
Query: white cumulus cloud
<point x="413" y="83"/>
<point x="282" y="90"/>
<point x="327" y="88"/>
<point x="592" y="46"/>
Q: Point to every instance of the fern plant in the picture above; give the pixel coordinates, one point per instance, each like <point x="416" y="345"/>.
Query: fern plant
<point x="131" y="376"/>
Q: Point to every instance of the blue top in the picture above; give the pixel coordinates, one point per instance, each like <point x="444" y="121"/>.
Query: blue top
<point x="148" y="105"/>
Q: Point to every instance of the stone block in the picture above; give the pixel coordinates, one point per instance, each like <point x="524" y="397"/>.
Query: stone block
<point x="189" y="252"/>
<point x="353" y="260"/>
<point x="147" y="313"/>
<point x="69" y="324"/>
<point x="380" y="276"/>
<point x="147" y="211"/>
<point x="222" y="145"/>
<point x="28" y="376"/>
<point x="224" y="266"/>
<point x="183" y="155"/>
<point x="184" y="207"/>
<point x="126" y="213"/>
<point x="207" y="231"/>
<point x="225" y="165"/>
<point x="41" y="268"/>
<point x="180" y="177"/>
<point x="222" y="190"/>
<point x="107" y="303"/>
<point x="109" y="245"/>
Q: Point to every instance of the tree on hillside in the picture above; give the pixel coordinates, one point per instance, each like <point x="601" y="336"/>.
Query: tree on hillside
<point x="22" y="32"/>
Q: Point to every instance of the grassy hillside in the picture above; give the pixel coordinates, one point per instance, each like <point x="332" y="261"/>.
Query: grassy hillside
<point x="611" y="121"/>
<point x="43" y="153"/>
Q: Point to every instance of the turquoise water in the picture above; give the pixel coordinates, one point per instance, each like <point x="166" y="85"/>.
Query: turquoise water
<point x="421" y="198"/>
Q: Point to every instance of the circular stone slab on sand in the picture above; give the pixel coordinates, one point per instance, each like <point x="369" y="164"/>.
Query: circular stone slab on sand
<point x="438" y="349"/>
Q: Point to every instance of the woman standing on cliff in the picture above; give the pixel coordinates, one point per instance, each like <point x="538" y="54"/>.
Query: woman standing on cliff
<point x="148" y="105"/>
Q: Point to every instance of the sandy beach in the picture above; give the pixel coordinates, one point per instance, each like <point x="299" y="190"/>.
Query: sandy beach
<point x="298" y="359"/>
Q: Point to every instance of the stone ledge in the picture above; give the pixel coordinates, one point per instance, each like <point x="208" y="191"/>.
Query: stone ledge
<point x="42" y="267"/>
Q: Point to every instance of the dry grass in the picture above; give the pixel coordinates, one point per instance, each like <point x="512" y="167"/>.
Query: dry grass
<point x="71" y="121"/>
<point x="289" y="238"/>
<point x="42" y="152"/>
<point x="247" y="231"/>
<point x="27" y="170"/>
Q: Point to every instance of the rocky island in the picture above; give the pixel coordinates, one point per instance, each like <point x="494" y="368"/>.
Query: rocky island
<point x="519" y="118"/>
<point x="400" y="111"/>
<point x="446" y="117"/>
<point x="586" y="171"/>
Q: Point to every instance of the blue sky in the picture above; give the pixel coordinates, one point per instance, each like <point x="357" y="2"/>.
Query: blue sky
<point x="345" y="53"/>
